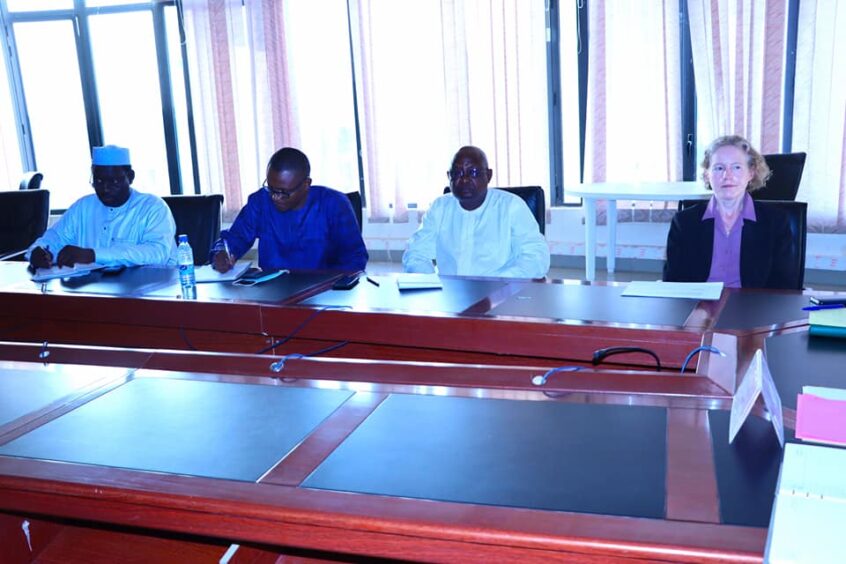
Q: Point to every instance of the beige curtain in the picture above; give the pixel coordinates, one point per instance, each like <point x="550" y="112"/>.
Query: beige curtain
<point x="433" y="76"/>
<point x="738" y="59"/>
<point x="211" y="28"/>
<point x="819" y="113"/>
<point x="267" y="74"/>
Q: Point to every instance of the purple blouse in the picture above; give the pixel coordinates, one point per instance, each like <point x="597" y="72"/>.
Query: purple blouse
<point x="725" y="258"/>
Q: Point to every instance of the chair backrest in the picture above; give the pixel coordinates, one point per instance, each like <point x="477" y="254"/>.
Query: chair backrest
<point x="534" y="198"/>
<point x="23" y="219"/>
<point x="787" y="173"/>
<point x="797" y="217"/>
<point x="355" y="200"/>
<point x="31" y="180"/>
<point x="198" y="216"/>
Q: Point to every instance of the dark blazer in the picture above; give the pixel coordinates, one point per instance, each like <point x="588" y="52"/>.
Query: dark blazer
<point x="767" y="249"/>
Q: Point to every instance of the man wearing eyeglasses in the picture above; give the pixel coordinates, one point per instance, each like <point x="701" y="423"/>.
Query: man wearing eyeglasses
<point x="115" y="226"/>
<point x="474" y="231"/>
<point x="299" y="226"/>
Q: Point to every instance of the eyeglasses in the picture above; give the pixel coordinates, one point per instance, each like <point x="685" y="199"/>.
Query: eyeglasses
<point x="474" y="172"/>
<point x="110" y="182"/>
<point x="277" y="193"/>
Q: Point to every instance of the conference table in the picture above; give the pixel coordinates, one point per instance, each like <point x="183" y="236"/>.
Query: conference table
<point x="613" y="191"/>
<point x="142" y="422"/>
<point x="482" y="321"/>
<point x="333" y="458"/>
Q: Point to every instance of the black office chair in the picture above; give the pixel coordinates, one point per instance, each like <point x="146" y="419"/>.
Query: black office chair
<point x="199" y="218"/>
<point x="355" y="200"/>
<point x="534" y="198"/>
<point x="31" y="180"/>
<point x="797" y="217"/>
<point x="23" y="219"/>
<point x="787" y="173"/>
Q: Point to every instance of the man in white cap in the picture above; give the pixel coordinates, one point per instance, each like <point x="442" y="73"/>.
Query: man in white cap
<point x="117" y="226"/>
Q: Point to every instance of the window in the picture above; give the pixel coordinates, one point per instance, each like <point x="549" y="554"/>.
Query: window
<point x="86" y="89"/>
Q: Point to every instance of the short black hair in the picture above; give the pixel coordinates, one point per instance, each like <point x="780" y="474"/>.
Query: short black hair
<point x="289" y="158"/>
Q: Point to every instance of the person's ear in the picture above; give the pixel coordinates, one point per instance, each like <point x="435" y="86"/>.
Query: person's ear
<point x="130" y="175"/>
<point x="490" y="174"/>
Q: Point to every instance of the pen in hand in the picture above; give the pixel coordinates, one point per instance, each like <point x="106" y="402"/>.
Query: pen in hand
<point x="228" y="253"/>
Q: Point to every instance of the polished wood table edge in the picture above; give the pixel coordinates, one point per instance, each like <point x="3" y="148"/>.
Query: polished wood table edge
<point x="254" y="512"/>
<point x="503" y="381"/>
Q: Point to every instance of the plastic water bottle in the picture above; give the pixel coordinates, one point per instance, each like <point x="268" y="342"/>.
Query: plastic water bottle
<point x="185" y="260"/>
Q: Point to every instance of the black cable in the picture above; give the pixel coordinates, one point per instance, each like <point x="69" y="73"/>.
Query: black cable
<point x="185" y="338"/>
<point x="602" y="354"/>
<point x="299" y="328"/>
<point x="279" y="365"/>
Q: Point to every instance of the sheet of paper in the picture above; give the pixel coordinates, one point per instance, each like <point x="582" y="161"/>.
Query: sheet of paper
<point x="415" y="281"/>
<point x="44" y="274"/>
<point x="692" y="290"/>
<point x="206" y="273"/>
<point x="809" y="513"/>
<point x="822" y="392"/>
<point x="821" y="420"/>
<point x="835" y="317"/>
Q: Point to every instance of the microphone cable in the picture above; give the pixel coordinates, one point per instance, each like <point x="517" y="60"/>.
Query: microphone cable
<point x="299" y="328"/>
<point x="601" y="354"/>
<point x="279" y="365"/>
<point x="707" y="348"/>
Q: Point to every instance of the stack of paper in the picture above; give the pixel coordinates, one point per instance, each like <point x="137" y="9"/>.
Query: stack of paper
<point x="692" y="290"/>
<point x="410" y="281"/>
<point x="207" y="273"/>
<point x="44" y="274"/>
<point x="821" y="415"/>
<point x="829" y="322"/>
<point x="809" y="514"/>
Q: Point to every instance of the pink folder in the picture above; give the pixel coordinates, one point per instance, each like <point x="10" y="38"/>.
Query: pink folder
<point x="821" y="420"/>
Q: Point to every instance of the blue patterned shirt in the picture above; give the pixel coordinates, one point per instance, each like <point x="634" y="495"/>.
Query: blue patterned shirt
<point x="322" y="235"/>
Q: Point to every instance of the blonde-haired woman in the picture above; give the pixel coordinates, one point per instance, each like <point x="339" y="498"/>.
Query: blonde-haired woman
<point x="732" y="238"/>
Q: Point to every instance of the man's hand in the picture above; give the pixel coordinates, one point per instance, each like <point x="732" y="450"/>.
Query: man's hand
<point x="222" y="261"/>
<point x="40" y="258"/>
<point x="72" y="255"/>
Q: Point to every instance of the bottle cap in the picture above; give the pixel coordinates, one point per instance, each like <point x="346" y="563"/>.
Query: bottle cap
<point x="183" y="238"/>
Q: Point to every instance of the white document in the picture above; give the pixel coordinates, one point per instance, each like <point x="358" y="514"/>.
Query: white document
<point x="827" y="393"/>
<point x="757" y="381"/>
<point x="206" y="273"/>
<point x="692" y="290"/>
<point x="44" y="274"/>
<point x="415" y="281"/>
<point x="809" y="513"/>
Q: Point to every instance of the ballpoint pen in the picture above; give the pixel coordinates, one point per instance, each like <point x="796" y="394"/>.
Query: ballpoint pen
<point x="823" y="306"/>
<point x="228" y="254"/>
<point x="372" y="281"/>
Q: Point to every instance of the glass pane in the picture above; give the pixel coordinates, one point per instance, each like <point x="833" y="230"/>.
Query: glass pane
<point x="569" y="49"/>
<point x="101" y="3"/>
<point x="128" y="90"/>
<point x="180" y="108"/>
<point x="10" y="155"/>
<point x="54" y="101"/>
<point x="38" y="5"/>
